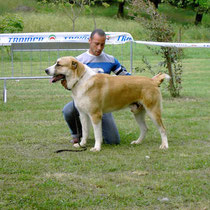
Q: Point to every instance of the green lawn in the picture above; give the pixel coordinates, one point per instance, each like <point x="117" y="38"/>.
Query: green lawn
<point x="126" y="176"/>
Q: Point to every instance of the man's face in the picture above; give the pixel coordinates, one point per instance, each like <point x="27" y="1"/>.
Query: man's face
<point x="97" y="44"/>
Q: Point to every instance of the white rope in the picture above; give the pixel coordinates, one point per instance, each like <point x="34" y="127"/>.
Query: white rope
<point x="178" y="45"/>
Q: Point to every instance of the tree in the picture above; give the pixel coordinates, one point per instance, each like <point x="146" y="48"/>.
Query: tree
<point x="88" y="6"/>
<point x="122" y="3"/>
<point x="156" y="3"/>
<point x="199" y="6"/>
<point x="159" y="29"/>
<point x="120" y="12"/>
<point x="11" y="24"/>
<point x="73" y="9"/>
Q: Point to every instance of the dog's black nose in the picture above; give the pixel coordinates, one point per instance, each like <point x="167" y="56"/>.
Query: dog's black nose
<point x="47" y="71"/>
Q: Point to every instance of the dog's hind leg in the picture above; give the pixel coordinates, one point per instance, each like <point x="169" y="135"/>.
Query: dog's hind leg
<point x="155" y="115"/>
<point x="140" y="119"/>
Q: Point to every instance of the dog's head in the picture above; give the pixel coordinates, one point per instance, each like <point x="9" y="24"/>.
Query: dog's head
<point x="66" y="68"/>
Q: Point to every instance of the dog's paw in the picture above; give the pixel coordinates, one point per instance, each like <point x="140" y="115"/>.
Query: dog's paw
<point x="76" y="145"/>
<point x="136" y="142"/>
<point x="95" y="149"/>
<point x="164" y="146"/>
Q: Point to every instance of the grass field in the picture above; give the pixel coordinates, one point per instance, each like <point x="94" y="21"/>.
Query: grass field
<point x="126" y="176"/>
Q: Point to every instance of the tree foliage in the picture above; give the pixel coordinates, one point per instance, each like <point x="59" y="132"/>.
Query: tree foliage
<point x="199" y="6"/>
<point x="74" y="8"/>
<point x="11" y="24"/>
<point x="159" y="29"/>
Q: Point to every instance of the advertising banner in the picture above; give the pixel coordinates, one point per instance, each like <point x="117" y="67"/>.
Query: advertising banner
<point x="83" y="37"/>
<point x="77" y="37"/>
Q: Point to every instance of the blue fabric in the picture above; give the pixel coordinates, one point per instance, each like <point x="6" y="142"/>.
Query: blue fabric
<point x="104" y="61"/>
<point x="107" y="67"/>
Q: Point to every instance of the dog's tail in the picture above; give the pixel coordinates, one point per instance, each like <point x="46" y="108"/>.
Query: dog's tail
<point x="159" y="78"/>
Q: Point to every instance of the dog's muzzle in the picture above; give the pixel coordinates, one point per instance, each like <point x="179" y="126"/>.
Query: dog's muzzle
<point x="47" y="71"/>
<point x="55" y="78"/>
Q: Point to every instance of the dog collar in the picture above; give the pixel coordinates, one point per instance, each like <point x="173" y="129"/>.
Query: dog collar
<point x="76" y="82"/>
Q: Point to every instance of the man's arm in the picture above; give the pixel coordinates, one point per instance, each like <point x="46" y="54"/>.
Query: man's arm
<point x="119" y="69"/>
<point x="122" y="71"/>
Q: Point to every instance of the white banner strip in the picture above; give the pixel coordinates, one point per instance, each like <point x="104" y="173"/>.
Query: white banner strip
<point x="178" y="45"/>
<point x="81" y="37"/>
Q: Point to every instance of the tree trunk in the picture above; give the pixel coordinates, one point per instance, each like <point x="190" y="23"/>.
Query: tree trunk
<point x="73" y="25"/>
<point x="94" y="21"/>
<point x="120" y="12"/>
<point x="172" y="88"/>
<point x="198" y="18"/>
<point x="156" y="2"/>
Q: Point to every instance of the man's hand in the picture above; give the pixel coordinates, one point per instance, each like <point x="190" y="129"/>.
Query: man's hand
<point x="64" y="83"/>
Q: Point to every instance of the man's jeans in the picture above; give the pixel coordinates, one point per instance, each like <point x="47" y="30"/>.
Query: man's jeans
<point x="109" y="128"/>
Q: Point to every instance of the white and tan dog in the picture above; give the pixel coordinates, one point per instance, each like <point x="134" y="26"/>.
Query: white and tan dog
<point x="95" y="94"/>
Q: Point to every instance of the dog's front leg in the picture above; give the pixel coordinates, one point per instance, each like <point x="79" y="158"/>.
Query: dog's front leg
<point x="84" y="118"/>
<point x="98" y="137"/>
<point x="97" y="128"/>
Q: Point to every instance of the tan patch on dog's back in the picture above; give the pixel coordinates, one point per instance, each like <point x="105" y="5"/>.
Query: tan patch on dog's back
<point x="119" y="92"/>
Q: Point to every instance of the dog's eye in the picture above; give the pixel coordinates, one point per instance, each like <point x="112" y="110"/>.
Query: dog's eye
<point x="58" y="64"/>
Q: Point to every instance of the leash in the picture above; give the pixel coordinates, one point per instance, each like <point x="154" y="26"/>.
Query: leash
<point x="83" y="148"/>
<point x="72" y="150"/>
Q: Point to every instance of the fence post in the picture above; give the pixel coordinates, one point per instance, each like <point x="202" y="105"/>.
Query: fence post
<point x="131" y="57"/>
<point x="12" y="60"/>
<point x="5" y="92"/>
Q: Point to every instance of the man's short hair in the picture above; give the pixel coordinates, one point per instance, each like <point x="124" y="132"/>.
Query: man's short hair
<point x="100" y="32"/>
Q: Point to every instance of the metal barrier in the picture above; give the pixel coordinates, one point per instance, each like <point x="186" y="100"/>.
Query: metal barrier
<point x="57" y="47"/>
<point x="33" y="52"/>
<point x="16" y="78"/>
<point x="33" y="58"/>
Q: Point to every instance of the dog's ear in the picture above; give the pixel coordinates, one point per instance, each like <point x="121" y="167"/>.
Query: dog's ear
<point x="74" y="65"/>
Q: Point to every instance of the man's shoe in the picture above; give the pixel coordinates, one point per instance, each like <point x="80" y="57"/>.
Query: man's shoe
<point x="74" y="140"/>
